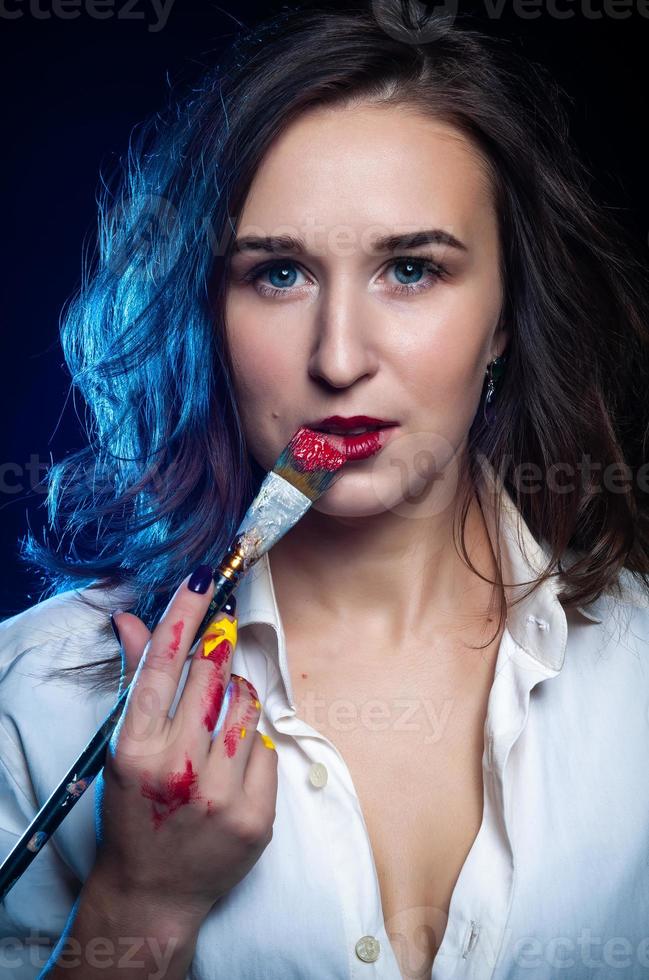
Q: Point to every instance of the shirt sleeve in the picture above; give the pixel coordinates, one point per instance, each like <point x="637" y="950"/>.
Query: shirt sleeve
<point x="34" y="912"/>
<point x="44" y="724"/>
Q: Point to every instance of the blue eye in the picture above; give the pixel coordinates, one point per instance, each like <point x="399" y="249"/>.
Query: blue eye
<point x="283" y="273"/>
<point x="410" y="264"/>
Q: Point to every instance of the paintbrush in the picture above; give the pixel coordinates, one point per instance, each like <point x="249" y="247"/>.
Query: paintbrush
<point x="307" y="467"/>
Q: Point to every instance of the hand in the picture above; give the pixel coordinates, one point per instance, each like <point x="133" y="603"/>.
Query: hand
<point x="182" y="817"/>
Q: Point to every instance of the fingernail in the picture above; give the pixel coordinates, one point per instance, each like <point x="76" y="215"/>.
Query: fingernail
<point x="268" y="742"/>
<point x="238" y="679"/>
<point x="200" y="579"/>
<point x="115" y="612"/>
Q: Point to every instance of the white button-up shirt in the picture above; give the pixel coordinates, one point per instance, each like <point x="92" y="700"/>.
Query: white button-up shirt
<point x="556" y="883"/>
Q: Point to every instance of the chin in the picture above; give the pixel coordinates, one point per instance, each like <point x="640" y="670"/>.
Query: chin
<point x="354" y="495"/>
<point x="350" y="511"/>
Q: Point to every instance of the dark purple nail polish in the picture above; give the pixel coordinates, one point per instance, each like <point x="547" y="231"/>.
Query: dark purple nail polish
<point x="200" y="579"/>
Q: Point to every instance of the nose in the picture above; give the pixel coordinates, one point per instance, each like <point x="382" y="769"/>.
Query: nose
<point x="344" y="345"/>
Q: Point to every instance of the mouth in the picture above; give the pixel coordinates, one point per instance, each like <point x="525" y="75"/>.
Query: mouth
<point x="357" y="438"/>
<point x="352" y="425"/>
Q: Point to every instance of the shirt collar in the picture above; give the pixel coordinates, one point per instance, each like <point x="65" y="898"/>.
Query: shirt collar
<point x="537" y="622"/>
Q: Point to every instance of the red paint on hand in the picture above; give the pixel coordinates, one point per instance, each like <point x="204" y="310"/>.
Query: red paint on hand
<point x="232" y="736"/>
<point x="180" y="789"/>
<point x="213" y="698"/>
<point x="219" y="654"/>
<point x="213" y="701"/>
<point x="176" y="632"/>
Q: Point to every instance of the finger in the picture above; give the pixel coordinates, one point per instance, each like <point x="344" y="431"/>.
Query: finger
<point x="260" y="777"/>
<point x="157" y="676"/>
<point x="133" y="636"/>
<point x="207" y="679"/>
<point x="237" y="734"/>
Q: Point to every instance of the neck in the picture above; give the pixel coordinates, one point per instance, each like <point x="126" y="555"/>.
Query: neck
<point x="400" y="577"/>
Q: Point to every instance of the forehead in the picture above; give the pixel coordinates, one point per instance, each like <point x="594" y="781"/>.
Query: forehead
<point x="366" y="165"/>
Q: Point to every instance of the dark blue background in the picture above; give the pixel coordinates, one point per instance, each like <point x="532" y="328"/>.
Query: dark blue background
<point x="72" y="91"/>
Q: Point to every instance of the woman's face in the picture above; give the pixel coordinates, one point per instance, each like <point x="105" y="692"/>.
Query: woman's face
<point x="343" y="329"/>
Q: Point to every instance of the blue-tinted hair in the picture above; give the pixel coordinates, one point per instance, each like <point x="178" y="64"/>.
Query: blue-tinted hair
<point x="166" y="475"/>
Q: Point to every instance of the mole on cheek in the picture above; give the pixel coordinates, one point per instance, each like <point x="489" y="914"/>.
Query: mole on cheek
<point x="179" y="789"/>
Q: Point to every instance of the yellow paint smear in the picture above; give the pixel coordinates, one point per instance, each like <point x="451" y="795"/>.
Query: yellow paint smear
<point x="217" y="631"/>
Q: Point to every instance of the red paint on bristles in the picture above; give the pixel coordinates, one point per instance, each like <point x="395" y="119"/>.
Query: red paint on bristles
<point x="312" y="451"/>
<point x="310" y="462"/>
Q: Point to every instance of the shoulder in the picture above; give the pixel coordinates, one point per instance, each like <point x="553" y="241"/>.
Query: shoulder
<point x="46" y="717"/>
<point x="611" y="645"/>
<point x="58" y="629"/>
<point x="40" y="623"/>
<point x="624" y="613"/>
<point x="65" y="630"/>
<point x="45" y="721"/>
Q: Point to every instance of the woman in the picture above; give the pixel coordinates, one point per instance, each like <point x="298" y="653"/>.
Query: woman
<point x="342" y="223"/>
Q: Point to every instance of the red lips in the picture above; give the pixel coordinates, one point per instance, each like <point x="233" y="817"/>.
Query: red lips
<point x="353" y="422"/>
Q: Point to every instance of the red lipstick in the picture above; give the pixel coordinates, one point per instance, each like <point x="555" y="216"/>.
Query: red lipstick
<point x="351" y="422"/>
<point x="355" y="445"/>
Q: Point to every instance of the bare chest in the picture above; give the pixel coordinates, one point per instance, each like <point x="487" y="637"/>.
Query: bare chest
<point x="413" y="746"/>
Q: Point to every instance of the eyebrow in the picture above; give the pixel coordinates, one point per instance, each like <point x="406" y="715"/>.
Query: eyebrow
<point x="390" y="243"/>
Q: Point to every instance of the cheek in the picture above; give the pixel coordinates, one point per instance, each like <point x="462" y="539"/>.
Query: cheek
<point x="263" y="377"/>
<point x="265" y="368"/>
<point x="251" y="352"/>
<point x="445" y="363"/>
<point x="241" y="338"/>
<point x="446" y="371"/>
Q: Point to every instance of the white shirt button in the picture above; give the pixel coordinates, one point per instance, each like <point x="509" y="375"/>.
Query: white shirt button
<point x="368" y="949"/>
<point x="541" y="623"/>
<point x="318" y="775"/>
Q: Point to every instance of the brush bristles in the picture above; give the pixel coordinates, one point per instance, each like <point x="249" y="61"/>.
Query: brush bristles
<point x="310" y="463"/>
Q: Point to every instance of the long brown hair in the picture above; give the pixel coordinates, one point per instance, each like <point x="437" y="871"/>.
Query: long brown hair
<point x="576" y="302"/>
